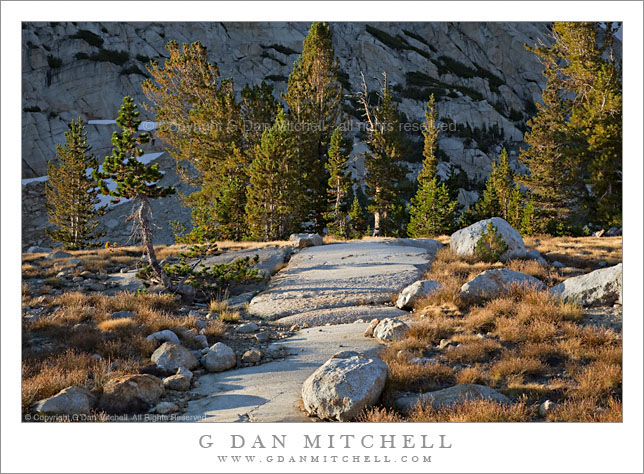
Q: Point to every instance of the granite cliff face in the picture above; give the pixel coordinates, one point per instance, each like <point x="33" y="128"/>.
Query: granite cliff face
<point x="485" y="81"/>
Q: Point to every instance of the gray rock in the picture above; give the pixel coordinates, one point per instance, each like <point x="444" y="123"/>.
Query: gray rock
<point x="131" y="394"/>
<point x="601" y="287"/>
<point x="343" y="315"/>
<point x="264" y="336"/>
<point x="536" y="255"/>
<point x="450" y="396"/>
<point x="165" y="408"/>
<point x="423" y="361"/>
<point x="165" y="335"/>
<point x="492" y="283"/>
<point x="201" y="340"/>
<point x="389" y="330"/>
<point x="169" y="357"/>
<point x="70" y="401"/>
<point x="179" y="381"/>
<point x="613" y="232"/>
<point x="342" y="387"/>
<point x="420" y="289"/>
<point x="247" y="328"/>
<point x="372" y="325"/>
<point x="252" y="356"/>
<point x="558" y="264"/>
<point x="463" y="242"/>
<point x="547" y="407"/>
<point x="123" y="315"/>
<point x="36" y="249"/>
<point x="58" y="254"/>
<point x="220" y="357"/>
<point x="305" y="240"/>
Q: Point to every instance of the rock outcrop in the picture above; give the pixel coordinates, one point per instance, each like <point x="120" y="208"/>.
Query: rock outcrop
<point x="345" y="385"/>
<point x="463" y="242"/>
<point x="599" y="288"/>
<point x="450" y="396"/>
<point x="492" y="283"/>
<point x="70" y="401"/>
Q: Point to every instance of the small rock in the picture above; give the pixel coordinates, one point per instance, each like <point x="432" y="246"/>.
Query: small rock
<point x="201" y="324"/>
<point x="73" y="261"/>
<point x="252" y="356"/>
<point x="263" y="336"/>
<point x="165" y="408"/>
<point x="247" y="328"/>
<point x="170" y="357"/>
<point x="492" y="283"/>
<point x="410" y="295"/>
<point x="219" y="357"/>
<point x="70" y="401"/>
<point x="423" y="361"/>
<point x="558" y="264"/>
<point x="536" y="255"/>
<point x="294" y="328"/>
<point x="404" y="354"/>
<point x="372" y="325"/>
<point x="177" y="382"/>
<point x="201" y="340"/>
<point x="58" y="254"/>
<point x="165" y="335"/>
<point x="306" y="240"/>
<point x="212" y="316"/>
<point x="390" y="329"/>
<point x="444" y="343"/>
<point x="546" y="407"/>
<point x="131" y="394"/>
<point x="36" y="249"/>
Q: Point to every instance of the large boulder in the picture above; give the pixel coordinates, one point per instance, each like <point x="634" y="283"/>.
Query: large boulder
<point x="463" y="242"/>
<point x="492" y="283"/>
<point x="599" y="288"/>
<point x="344" y="386"/>
<point x="131" y="394"/>
<point x="170" y="357"/>
<point x="411" y="294"/>
<point x="390" y="329"/>
<point x="219" y="357"/>
<point x="70" y="401"/>
<point x="449" y="396"/>
<point x="305" y="240"/>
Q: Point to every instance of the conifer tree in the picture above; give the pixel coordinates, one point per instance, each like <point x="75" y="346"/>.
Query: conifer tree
<point x="575" y="138"/>
<point x="274" y="191"/>
<point x="499" y="187"/>
<point x="314" y="97"/>
<point x="339" y="185"/>
<point x="357" y="219"/>
<point x="134" y="180"/>
<point x="72" y="194"/>
<point x="432" y="210"/>
<point x="200" y="122"/>
<point x="258" y="111"/>
<point x="382" y="162"/>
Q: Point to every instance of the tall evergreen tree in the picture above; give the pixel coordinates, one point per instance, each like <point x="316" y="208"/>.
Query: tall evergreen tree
<point x="72" y="194"/>
<point x="200" y="122"/>
<point x="314" y="97"/>
<point x="258" y="111"/>
<point x="575" y="138"/>
<point x="357" y="221"/>
<point x="384" y="172"/>
<point x="432" y="210"/>
<point x="496" y="199"/>
<point x="134" y="180"/>
<point x="274" y="191"/>
<point x="340" y="182"/>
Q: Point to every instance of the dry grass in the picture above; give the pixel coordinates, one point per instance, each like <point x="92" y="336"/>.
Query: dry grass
<point x="475" y="411"/>
<point x="217" y="306"/>
<point x="228" y="316"/>
<point x="513" y="365"/>
<point x="580" y="252"/>
<point x="379" y="415"/>
<point x="474" y="351"/>
<point x="588" y="410"/>
<point x="473" y="375"/>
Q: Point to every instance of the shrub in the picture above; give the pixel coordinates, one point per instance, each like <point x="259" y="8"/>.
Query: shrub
<point x="91" y="38"/>
<point x="54" y="62"/>
<point x="142" y="58"/>
<point x="107" y="55"/>
<point x="80" y="56"/>
<point x="33" y="108"/>
<point x="491" y="245"/>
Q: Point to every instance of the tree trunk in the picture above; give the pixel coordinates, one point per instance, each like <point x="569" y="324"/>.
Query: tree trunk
<point x="146" y="239"/>
<point x="376" y="224"/>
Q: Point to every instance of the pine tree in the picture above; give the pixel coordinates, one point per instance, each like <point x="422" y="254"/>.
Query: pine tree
<point x="200" y="122"/>
<point x="134" y="180"/>
<point x="528" y="218"/>
<point x="496" y="199"/>
<point x="339" y="185"/>
<point x="72" y="194"/>
<point x="432" y="210"/>
<point x="274" y="191"/>
<point x="258" y="111"/>
<point x="575" y="138"/>
<point x="382" y="162"/>
<point x="357" y="219"/>
<point x="314" y="97"/>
